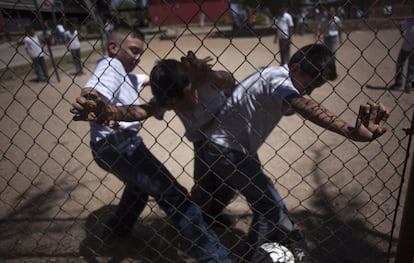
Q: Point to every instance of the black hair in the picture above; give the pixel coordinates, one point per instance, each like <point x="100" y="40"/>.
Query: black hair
<point x="168" y="81"/>
<point x="316" y="60"/>
<point x="122" y="31"/>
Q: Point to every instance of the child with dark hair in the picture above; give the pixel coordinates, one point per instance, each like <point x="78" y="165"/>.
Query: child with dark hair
<point x="252" y="111"/>
<point x="119" y="150"/>
<point x="34" y="49"/>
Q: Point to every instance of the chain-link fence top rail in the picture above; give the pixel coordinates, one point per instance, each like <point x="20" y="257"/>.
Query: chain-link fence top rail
<point x="345" y="195"/>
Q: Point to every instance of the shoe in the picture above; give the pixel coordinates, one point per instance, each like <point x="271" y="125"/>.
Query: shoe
<point x="272" y="253"/>
<point x="298" y="246"/>
<point x="395" y="86"/>
<point x="407" y="89"/>
<point x="114" y="229"/>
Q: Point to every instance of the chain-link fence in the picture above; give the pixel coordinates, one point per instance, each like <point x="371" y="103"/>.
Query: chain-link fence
<point x="345" y="195"/>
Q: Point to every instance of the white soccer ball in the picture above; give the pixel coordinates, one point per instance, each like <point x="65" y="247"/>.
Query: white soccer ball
<point x="278" y="253"/>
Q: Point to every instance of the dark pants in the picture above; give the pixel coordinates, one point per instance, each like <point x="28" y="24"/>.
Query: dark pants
<point x="126" y="156"/>
<point x="207" y="185"/>
<point x="284" y="48"/>
<point x="331" y="42"/>
<point x="403" y="55"/>
<point x="40" y="68"/>
<point x="242" y="172"/>
<point x="76" y="57"/>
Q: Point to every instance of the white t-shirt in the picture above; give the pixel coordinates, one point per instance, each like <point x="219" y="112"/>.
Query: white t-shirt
<point x="60" y="28"/>
<point x="118" y="88"/>
<point x="283" y="23"/>
<point x="330" y="26"/>
<point x="33" y="47"/>
<point x="208" y="102"/>
<point x="253" y="110"/>
<point x="72" y="40"/>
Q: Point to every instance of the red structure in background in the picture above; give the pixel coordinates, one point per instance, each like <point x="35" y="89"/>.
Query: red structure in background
<point x="3" y="27"/>
<point x="187" y="11"/>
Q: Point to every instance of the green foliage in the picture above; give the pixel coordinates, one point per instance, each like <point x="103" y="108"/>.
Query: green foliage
<point x="91" y="26"/>
<point x="125" y="4"/>
<point x="260" y="19"/>
<point x="224" y="21"/>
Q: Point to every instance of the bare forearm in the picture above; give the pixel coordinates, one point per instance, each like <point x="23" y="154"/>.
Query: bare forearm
<point x="130" y="112"/>
<point x="314" y="112"/>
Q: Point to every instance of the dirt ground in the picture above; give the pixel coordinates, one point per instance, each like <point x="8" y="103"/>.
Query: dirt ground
<point x="343" y="194"/>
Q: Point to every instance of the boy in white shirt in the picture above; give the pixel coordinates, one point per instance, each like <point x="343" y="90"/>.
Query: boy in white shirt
<point x="119" y="150"/>
<point x="34" y="49"/>
<point x="330" y="27"/>
<point x="284" y="32"/>
<point x="73" y="44"/>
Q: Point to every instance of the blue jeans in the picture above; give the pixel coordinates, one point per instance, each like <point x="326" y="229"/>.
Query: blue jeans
<point x="126" y="156"/>
<point x="242" y="172"/>
<point x="284" y="48"/>
<point x="40" y="68"/>
<point x="331" y="42"/>
<point x="207" y="185"/>
<point x="402" y="58"/>
<point x="76" y="57"/>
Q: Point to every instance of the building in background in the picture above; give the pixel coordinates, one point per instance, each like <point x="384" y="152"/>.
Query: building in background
<point x="188" y="11"/>
<point x="18" y="14"/>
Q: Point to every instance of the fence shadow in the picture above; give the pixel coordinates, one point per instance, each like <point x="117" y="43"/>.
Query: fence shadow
<point x="152" y="240"/>
<point x="334" y="238"/>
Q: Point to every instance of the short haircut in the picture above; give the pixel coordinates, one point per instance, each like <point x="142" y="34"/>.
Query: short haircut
<point x="168" y="81"/>
<point x="120" y="33"/>
<point x="317" y="61"/>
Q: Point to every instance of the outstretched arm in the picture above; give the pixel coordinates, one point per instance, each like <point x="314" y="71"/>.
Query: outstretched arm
<point x="89" y="107"/>
<point x="369" y="124"/>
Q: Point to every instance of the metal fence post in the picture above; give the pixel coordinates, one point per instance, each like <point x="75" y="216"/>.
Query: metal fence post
<point x="405" y="247"/>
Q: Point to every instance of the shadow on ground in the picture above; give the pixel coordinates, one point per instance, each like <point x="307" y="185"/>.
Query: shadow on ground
<point x="35" y="233"/>
<point x="154" y="240"/>
<point x="243" y="32"/>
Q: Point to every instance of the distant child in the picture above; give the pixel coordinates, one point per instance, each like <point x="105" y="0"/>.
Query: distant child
<point x="73" y="44"/>
<point x="34" y="49"/>
<point x="406" y="52"/>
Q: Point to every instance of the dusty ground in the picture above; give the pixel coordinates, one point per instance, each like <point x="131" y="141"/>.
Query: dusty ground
<point x="343" y="194"/>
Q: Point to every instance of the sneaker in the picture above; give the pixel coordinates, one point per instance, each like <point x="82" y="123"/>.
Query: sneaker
<point x="113" y="228"/>
<point x="272" y="253"/>
<point x="395" y="86"/>
<point x="407" y="89"/>
<point x="298" y="246"/>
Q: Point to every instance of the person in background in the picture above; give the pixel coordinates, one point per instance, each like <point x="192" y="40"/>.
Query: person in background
<point x="34" y="49"/>
<point x="330" y="28"/>
<point x="73" y="45"/>
<point x="300" y="24"/>
<point x="60" y="29"/>
<point x="387" y="10"/>
<point x="406" y="53"/>
<point x="49" y="34"/>
<point x="284" y="30"/>
<point x="108" y="28"/>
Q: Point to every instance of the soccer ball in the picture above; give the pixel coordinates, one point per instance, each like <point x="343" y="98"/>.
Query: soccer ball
<point x="278" y="253"/>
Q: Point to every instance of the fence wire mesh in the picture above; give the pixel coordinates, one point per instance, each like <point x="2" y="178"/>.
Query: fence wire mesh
<point x="345" y="195"/>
